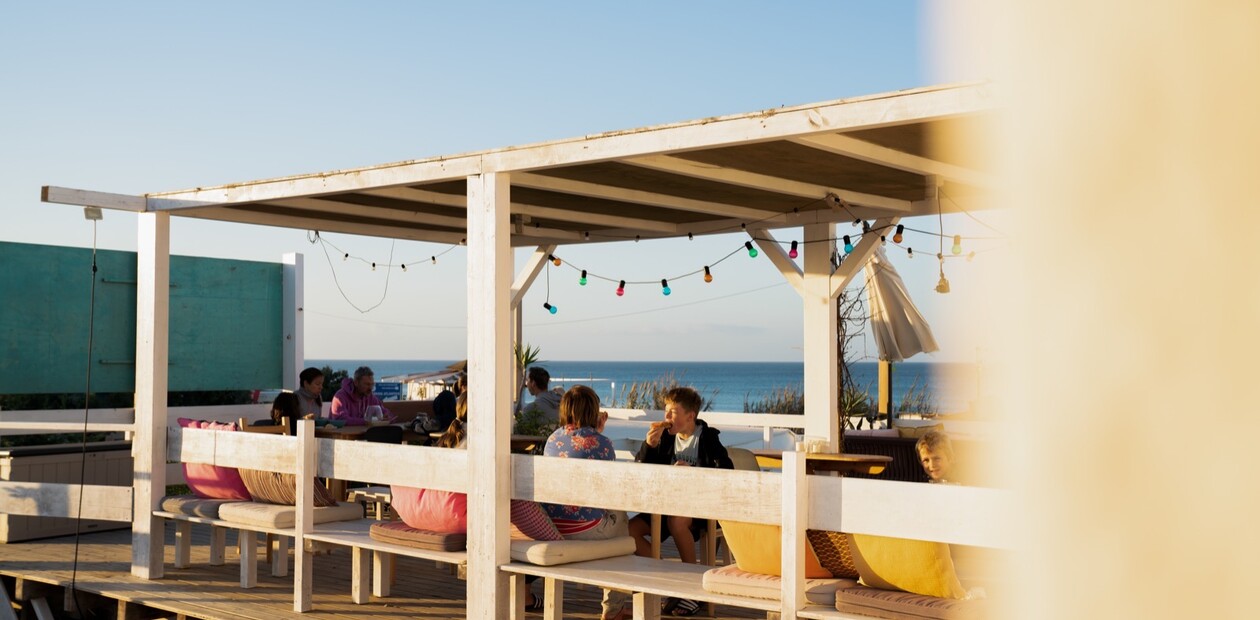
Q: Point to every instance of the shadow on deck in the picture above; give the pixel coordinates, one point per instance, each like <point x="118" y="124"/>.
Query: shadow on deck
<point x="421" y="589"/>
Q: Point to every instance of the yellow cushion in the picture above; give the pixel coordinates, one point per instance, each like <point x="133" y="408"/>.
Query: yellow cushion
<point x="914" y="566"/>
<point x="915" y="432"/>
<point x="757" y="550"/>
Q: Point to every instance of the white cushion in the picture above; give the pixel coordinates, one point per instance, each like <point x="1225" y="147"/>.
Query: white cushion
<point x="730" y="580"/>
<point x="193" y="506"/>
<point x="553" y="552"/>
<point x="284" y="517"/>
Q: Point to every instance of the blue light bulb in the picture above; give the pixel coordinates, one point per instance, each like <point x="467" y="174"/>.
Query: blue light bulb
<point x="848" y="245"/>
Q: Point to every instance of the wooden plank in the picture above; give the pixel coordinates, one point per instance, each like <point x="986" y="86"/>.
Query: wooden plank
<point x="792" y="535"/>
<point x="821" y="385"/>
<point x="773" y="251"/>
<point x="303" y="572"/>
<point x="86" y="198"/>
<point x="412" y="218"/>
<point x="65" y="420"/>
<point x="293" y="318"/>
<point x="6" y="604"/>
<point x="229" y="449"/>
<point x="361" y="460"/>
<point x="327" y="224"/>
<point x="153" y="277"/>
<point x="866" y="151"/>
<point x="862" y="253"/>
<point x="594" y="190"/>
<point x="491" y="380"/>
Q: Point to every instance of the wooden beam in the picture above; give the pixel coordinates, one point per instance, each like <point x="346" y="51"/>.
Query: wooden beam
<point x="321" y="205"/>
<point x="594" y="219"/>
<point x="792" y="533"/>
<point x="529" y="271"/>
<point x="849" y="146"/>
<point x="491" y="381"/>
<point x="6" y="604"/>
<point x="51" y="499"/>
<point x="65" y="420"/>
<point x="153" y="278"/>
<point x="86" y="198"/>
<point x="753" y="180"/>
<point x="608" y="192"/>
<point x="821" y="385"/>
<point x="321" y="224"/>
<point x="773" y="251"/>
<point x="303" y="564"/>
<point x="862" y="253"/>
<point x="293" y="321"/>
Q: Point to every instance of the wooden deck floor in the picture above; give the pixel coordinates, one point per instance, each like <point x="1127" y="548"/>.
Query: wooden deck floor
<point x="422" y="590"/>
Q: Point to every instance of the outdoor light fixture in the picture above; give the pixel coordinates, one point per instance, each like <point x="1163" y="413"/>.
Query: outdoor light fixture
<point x="433" y="259"/>
<point x="554" y="260"/>
<point x="621" y="288"/>
<point x="582" y="280"/>
<point x="942" y="286"/>
<point x="897" y="236"/>
<point x="665" y="287"/>
<point x="957" y="249"/>
<point x="708" y="277"/>
<point x="848" y="245"/>
<point x="792" y="253"/>
<point x="752" y="252"/>
<point x="373" y="266"/>
<point x="93" y="213"/>
<point x="883" y="240"/>
<point x="552" y="309"/>
<point x="404" y="268"/>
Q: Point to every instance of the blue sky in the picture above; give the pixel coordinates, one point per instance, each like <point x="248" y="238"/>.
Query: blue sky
<point x="160" y="96"/>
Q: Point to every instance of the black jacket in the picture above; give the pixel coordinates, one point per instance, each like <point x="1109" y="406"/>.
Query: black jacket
<point x="711" y="452"/>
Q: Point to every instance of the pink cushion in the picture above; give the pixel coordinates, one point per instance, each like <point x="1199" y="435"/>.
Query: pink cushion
<point x="427" y="509"/>
<point x="212" y="481"/>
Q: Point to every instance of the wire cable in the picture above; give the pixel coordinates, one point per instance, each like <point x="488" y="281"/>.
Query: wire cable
<point x="83" y="440"/>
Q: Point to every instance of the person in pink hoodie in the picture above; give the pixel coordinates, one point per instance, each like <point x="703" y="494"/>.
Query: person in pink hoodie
<point x="352" y="401"/>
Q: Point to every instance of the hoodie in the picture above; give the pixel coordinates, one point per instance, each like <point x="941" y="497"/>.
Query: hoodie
<point x="548" y="402"/>
<point x="349" y="406"/>
<point x="712" y="452"/>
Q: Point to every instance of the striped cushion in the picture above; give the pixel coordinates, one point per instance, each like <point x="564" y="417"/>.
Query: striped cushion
<point x="894" y="605"/>
<point x="832" y="549"/>
<point x="284" y="517"/>
<point x="730" y="580"/>
<point x="400" y="533"/>
<point x="553" y="552"/>
<point x="193" y="506"/>
<point x="272" y="487"/>
<point x="530" y="522"/>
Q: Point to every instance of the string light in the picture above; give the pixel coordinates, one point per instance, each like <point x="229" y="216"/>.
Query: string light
<point x="582" y="280"/>
<point x="708" y="277"/>
<point x="971" y="256"/>
<point x="550" y="308"/>
<point x="957" y="249"/>
<point x="404" y="268"/>
<point x="554" y="259"/>
<point x="792" y="253"/>
<point x="621" y="288"/>
<point x="910" y="252"/>
<point x="433" y="259"/>
<point x="897" y="237"/>
<point x="586" y="235"/>
<point x="373" y="266"/>
<point x="883" y="240"/>
<point x="665" y="287"/>
<point x="942" y="287"/>
<point x="848" y="245"/>
<point x="346" y="257"/>
<point x="691" y="237"/>
<point x="752" y="252"/>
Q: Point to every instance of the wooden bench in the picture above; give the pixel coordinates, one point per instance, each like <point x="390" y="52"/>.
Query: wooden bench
<point x="356" y="535"/>
<point x="218" y="539"/>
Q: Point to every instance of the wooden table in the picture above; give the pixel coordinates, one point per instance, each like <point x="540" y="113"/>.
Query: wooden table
<point x="527" y="444"/>
<point x="845" y="463"/>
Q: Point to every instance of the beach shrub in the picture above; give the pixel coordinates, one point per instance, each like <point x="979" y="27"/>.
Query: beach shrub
<point x="786" y="400"/>
<point x="918" y="399"/>
<point x="650" y="394"/>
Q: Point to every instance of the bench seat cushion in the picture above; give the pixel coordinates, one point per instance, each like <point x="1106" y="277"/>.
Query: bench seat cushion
<point x="400" y="533"/>
<point x="895" y="605"/>
<point x="730" y="580"/>
<point x="193" y="506"/>
<point x="284" y="517"/>
<point x="553" y="552"/>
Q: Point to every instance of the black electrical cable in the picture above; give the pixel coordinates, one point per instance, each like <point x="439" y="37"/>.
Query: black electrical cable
<point x="87" y="404"/>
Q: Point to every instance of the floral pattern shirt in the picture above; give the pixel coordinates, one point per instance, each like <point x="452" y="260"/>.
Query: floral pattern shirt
<point x="577" y="443"/>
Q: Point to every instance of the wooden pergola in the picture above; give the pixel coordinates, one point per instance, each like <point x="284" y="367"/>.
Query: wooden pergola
<point x="882" y="158"/>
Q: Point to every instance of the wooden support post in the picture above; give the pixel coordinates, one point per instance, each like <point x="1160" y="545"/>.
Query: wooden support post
<point x="553" y="599"/>
<point x="822" y="377"/>
<point x="183" y="544"/>
<point x="6" y="604"/>
<point x="153" y="280"/>
<point x="382" y="566"/>
<point x="293" y="323"/>
<point x="885" y="389"/>
<point x="646" y="606"/>
<point x="44" y="612"/>
<point x="249" y="558"/>
<point x="795" y="511"/>
<point x="303" y="560"/>
<point x="218" y="542"/>
<point x="491" y="380"/>
<point x="517" y="587"/>
<point x="279" y="556"/>
<point x="359" y="575"/>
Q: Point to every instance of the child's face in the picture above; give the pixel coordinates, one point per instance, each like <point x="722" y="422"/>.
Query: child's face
<point x="935" y="463"/>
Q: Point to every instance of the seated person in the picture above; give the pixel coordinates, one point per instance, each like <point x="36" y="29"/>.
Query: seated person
<point x="444" y="404"/>
<point x="546" y="402"/>
<point x="580" y="437"/>
<point x="936" y="453"/>
<point x="352" y="401"/>
<point x="682" y="440"/>
<point x="310" y="395"/>
<point x="286" y="404"/>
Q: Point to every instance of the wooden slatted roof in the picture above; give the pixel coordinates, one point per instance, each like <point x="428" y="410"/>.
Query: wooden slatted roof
<point x="906" y="153"/>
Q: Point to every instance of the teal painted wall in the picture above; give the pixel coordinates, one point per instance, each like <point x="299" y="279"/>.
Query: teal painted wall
<point x="225" y="322"/>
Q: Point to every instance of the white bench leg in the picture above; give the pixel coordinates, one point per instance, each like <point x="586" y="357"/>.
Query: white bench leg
<point x="249" y="558"/>
<point x="218" y="543"/>
<point x="516" y="593"/>
<point x="183" y="544"/>
<point x="303" y="576"/>
<point x="382" y="566"/>
<point x="553" y="599"/>
<point x="647" y="606"/>
<point x="279" y="556"/>
<point x="359" y="575"/>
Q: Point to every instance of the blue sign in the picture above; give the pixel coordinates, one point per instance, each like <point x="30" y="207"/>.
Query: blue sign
<point x="388" y="391"/>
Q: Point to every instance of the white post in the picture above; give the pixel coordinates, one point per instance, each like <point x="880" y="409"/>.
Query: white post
<point x="795" y="509"/>
<point x="822" y="378"/>
<point x="153" y="282"/>
<point x="490" y="381"/>
<point x="294" y="325"/>
<point x="303" y="560"/>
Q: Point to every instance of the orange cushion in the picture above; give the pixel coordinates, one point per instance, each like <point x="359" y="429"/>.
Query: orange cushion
<point x="915" y="566"/>
<point x="756" y="549"/>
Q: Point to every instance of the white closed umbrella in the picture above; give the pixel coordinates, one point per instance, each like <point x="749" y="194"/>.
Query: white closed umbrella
<point x="899" y="328"/>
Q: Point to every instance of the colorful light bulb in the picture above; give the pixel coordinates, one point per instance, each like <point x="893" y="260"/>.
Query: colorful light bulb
<point x="554" y="260"/>
<point x="404" y="268"/>
<point x="848" y="245"/>
<point x="957" y="249"/>
<point x="373" y="266"/>
<point x="550" y="308"/>
<point x="792" y="253"/>
<point x="621" y="288"/>
<point x="433" y="259"/>
<point x="971" y="255"/>
<point x="910" y="252"/>
<point x="582" y="280"/>
<point x="708" y="277"/>
<point x="752" y="252"/>
<point x="897" y="237"/>
<point x="665" y="287"/>
<point x="690" y="237"/>
<point x="883" y="240"/>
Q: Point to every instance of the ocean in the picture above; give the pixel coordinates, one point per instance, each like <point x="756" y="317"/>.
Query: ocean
<point x="727" y="385"/>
